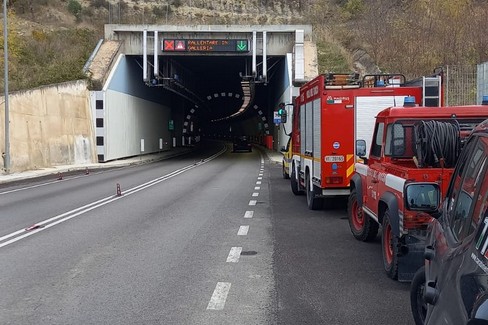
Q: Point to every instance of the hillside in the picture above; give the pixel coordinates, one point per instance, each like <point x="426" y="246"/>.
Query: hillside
<point x="50" y="40"/>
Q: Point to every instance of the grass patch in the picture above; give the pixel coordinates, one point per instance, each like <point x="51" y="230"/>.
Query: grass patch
<point x="332" y="58"/>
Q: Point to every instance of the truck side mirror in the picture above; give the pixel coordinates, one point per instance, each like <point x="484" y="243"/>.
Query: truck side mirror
<point x="423" y="197"/>
<point x="361" y="148"/>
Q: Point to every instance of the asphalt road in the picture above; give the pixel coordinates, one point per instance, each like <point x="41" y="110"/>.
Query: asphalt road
<point x="209" y="238"/>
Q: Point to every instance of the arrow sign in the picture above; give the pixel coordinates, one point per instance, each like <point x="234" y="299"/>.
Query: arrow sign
<point x="241" y="46"/>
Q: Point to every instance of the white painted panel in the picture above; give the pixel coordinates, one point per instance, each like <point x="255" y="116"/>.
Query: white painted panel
<point x="129" y="119"/>
<point x="308" y="127"/>
<point x="299" y="36"/>
<point x="367" y="108"/>
<point x="317" y="110"/>
<point x="287" y="97"/>
<point x="299" y="62"/>
<point x="302" y="130"/>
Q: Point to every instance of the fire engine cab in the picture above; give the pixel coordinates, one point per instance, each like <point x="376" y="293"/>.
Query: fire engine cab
<point x="331" y="112"/>
<point x="413" y="153"/>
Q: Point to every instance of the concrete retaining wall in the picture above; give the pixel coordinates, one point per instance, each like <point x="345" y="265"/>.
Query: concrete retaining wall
<point x="49" y="126"/>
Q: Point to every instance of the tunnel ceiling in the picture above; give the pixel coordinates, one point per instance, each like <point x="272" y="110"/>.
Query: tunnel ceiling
<point x="215" y="81"/>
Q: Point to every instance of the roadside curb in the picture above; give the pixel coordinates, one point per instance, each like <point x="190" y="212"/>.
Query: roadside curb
<point x="73" y="169"/>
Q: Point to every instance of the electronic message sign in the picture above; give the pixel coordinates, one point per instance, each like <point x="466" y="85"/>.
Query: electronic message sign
<point x="205" y="45"/>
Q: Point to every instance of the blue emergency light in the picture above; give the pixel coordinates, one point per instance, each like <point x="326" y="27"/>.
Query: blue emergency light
<point x="409" y="101"/>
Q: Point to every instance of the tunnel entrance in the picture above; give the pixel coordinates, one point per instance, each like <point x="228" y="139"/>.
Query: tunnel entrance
<point x="222" y="98"/>
<point x="156" y="98"/>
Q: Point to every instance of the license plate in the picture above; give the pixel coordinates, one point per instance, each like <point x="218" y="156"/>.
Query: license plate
<point x="334" y="159"/>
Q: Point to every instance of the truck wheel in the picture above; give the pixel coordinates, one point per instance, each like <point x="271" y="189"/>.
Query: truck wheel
<point x="389" y="243"/>
<point x="294" y="183"/>
<point x="417" y="301"/>
<point x="285" y="174"/>
<point x="362" y="227"/>
<point x="313" y="202"/>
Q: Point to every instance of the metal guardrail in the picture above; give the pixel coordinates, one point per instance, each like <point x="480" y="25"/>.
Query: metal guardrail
<point x="92" y="56"/>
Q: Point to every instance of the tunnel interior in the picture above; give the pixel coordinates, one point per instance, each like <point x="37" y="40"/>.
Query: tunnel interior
<point x="218" y="92"/>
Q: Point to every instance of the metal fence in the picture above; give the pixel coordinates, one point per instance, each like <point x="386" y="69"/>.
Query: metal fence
<point x="460" y="86"/>
<point x="466" y="84"/>
<point x="482" y="81"/>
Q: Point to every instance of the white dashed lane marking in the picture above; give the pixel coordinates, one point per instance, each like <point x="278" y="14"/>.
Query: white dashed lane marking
<point x="249" y="214"/>
<point x="243" y="230"/>
<point x="217" y="302"/>
<point x="234" y="254"/>
<point x="219" y="296"/>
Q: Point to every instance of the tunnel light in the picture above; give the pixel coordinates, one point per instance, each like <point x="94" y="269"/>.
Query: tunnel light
<point x="246" y="100"/>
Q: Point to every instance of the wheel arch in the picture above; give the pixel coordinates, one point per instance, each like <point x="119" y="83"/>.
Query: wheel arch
<point x="307" y="172"/>
<point x="389" y="201"/>
<point x="358" y="185"/>
<point x="296" y="166"/>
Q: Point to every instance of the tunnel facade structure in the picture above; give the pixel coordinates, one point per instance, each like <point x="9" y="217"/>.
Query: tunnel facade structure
<point x="155" y="87"/>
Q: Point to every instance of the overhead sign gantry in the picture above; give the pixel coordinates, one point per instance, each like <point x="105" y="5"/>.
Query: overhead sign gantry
<point x="205" y="45"/>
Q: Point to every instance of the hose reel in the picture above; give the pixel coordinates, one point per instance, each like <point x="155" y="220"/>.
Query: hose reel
<point x="437" y="144"/>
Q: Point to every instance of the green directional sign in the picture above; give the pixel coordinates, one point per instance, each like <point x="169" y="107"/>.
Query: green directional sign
<point x="241" y="46"/>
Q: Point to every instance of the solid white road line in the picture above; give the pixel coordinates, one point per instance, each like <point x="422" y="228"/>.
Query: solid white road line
<point x="253" y="202"/>
<point x="234" y="254"/>
<point x="249" y="214"/>
<point x="32" y="186"/>
<point x="243" y="230"/>
<point x="48" y="223"/>
<point x="217" y="302"/>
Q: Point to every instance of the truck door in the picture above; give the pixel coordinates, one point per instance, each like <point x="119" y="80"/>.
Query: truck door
<point x="374" y="171"/>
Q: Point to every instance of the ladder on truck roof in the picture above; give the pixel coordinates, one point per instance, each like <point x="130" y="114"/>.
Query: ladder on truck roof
<point x="431" y="91"/>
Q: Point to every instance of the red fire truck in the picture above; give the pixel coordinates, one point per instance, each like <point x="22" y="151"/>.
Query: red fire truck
<point x="411" y="160"/>
<point x="331" y="113"/>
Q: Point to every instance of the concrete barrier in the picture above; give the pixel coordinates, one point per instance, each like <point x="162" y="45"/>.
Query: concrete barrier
<point x="49" y="126"/>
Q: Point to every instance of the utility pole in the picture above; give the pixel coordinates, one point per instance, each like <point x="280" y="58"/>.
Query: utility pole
<point x="6" y="154"/>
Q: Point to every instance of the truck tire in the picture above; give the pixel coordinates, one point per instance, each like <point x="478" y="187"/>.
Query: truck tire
<point x="313" y="202"/>
<point x="417" y="301"/>
<point x="294" y="183"/>
<point x="362" y="227"/>
<point x="389" y="244"/>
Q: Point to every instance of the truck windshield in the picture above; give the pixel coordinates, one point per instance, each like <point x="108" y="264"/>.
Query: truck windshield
<point x="399" y="140"/>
